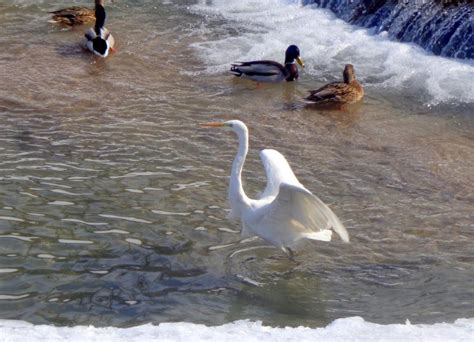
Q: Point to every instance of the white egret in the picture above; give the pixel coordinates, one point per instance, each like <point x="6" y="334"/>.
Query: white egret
<point x="286" y="212"/>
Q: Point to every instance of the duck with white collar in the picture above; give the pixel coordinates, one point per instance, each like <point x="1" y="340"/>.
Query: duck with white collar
<point x="270" y="71"/>
<point x="98" y="39"/>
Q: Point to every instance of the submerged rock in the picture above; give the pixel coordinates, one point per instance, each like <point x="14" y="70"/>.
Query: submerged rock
<point x="445" y="27"/>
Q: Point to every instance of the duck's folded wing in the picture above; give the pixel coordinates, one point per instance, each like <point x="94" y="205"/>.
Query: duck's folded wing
<point x="74" y="10"/>
<point x="73" y="15"/>
<point x="331" y="91"/>
<point x="296" y="213"/>
<point x="258" y="68"/>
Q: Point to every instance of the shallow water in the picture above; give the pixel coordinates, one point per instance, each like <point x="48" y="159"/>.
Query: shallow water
<point x="113" y="200"/>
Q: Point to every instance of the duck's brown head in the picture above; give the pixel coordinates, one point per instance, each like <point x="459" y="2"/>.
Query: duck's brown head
<point x="349" y="73"/>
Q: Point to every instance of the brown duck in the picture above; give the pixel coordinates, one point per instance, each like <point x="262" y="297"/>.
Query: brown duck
<point x="75" y="15"/>
<point x="349" y="91"/>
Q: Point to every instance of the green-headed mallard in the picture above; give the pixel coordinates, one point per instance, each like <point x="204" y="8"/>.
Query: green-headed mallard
<point x="270" y="71"/>
<point x="349" y="91"/>
<point x="98" y="39"/>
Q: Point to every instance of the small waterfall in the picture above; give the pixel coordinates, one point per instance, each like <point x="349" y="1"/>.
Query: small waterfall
<point x="444" y="27"/>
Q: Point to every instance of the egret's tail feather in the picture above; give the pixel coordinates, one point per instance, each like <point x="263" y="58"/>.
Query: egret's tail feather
<point x="341" y="231"/>
<point x="323" y="235"/>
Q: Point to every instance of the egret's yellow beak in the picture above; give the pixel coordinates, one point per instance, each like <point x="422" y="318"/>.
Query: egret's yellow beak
<point x="212" y="124"/>
<point x="300" y="61"/>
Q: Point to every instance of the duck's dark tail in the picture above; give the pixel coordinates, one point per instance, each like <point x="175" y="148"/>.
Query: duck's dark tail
<point x="235" y="70"/>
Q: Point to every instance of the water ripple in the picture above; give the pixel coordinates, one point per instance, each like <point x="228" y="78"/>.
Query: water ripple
<point x="166" y="213"/>
<point x="8" y="270"/>
<point x="144" y="173"/>
<point x="61" y="203"/>
<point x="134" y="241"/>
<point x="10" y="218"/>
<point x="18" y="237"/>
<point x="144" y="232"/>
<point x="126" y="218"/>
<point x="85" y="222"/>
<point x="13" y="297"/>
<point x="71" y="241"/>
<point x="74" y="167"/>
<point x="45" y="256"/>
<point x="59" y="191"/>
<point x="111" y="231"/>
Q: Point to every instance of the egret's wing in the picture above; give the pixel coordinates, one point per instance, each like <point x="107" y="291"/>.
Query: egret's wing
<point x="296" y="213"/>
<point x="277" y="170"/>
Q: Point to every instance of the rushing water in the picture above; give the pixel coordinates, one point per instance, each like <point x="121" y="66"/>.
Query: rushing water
<point x="444" y="27"/>
<point x="113" y="200"/>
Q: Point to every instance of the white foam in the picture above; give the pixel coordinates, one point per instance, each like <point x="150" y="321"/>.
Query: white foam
<point x="134" y="241"/>
<point x="71" y="241"/>
<point x="126" y="218"/>
<point x="170" y="213"/>
<point x="344" y="329"/>
<point x="10" y="218"/>
<point x="267" y="27"/>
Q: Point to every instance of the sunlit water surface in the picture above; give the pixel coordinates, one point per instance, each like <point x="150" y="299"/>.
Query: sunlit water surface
<point x="113" y="199"/>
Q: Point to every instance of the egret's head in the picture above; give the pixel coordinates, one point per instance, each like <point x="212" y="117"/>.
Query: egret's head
<point x="292" y="54"/>
<point x="236" y="125"/>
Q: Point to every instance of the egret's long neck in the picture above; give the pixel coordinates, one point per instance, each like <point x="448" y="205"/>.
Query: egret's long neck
<point x="236" y="190"/>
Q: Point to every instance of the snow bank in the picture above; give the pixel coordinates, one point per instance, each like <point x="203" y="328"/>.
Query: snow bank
<point x="344" y="329"/>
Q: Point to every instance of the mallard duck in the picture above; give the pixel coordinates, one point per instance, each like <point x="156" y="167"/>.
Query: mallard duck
<point x="349" y="91"/>
<point x="270" y="71"/>
<point x="73" y="16"/>
<point x="98" y="39"/>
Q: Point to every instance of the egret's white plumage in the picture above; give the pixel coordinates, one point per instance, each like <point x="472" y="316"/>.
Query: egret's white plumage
<point x="286" y="212"/>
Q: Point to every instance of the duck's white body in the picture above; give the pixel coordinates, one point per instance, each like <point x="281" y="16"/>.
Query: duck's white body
<point x="90" y="35"/>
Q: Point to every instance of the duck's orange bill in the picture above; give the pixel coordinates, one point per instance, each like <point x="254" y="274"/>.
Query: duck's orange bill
<point x="212" y="124"/>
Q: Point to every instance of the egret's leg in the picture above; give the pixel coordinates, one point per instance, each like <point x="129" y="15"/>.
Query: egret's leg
<point x="289" y="253"/>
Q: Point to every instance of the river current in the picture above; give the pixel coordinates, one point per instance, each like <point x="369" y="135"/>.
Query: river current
<point x="113" y="199"/>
